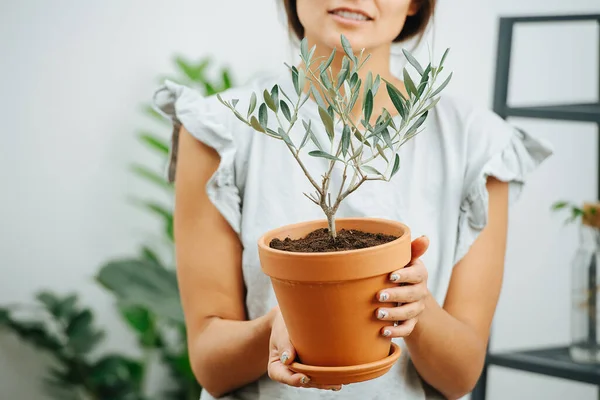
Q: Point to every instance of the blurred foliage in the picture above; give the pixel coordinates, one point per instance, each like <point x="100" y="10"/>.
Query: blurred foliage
<point x="145" y="291"/>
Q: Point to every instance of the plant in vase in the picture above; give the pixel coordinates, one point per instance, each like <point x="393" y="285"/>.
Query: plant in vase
<point x="585" y="283"/>
<point x="339" y="264"/>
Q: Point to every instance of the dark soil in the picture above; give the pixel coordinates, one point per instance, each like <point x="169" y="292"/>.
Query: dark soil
<point x="319" y="241"/>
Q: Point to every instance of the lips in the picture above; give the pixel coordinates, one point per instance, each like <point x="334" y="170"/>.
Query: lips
<point x="350" y="14"/>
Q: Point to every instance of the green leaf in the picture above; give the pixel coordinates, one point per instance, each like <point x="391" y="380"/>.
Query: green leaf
<point x="341" y="78"/>
<point x="4" y="316"/>
<point x="317" y="97"/>
<point x="285" y="109"/>
<point x="151" y="177"/>
<point x="150" y="255"/>
<point x="304" y="49"/>
<point x="301" y="81"/>
<point x="138" y="318"/>
<point x="413" y="61"/>
<point x="371" y="170"/>
<point x="286" y="137"/>
<point x="368" y="106"/>
<point x="275" y="97"/>
<point x="154" y="142"/>
<point x="444" y="57"/>
<point x="252" y="104"/>
<point x="327" y="122"/>
<point x="559" y="205"/>
<point x="386" y="138"/>
<point x="190" y="71"/>
<point x="396" y="98"/>
<point x="348" y="48"/>
<point x="142" y="322"/>
<point x="345" y="63"/>
<point x="82" y="337"/>
<point x="354" y="79"/>
<point x="227" y="83"/>
<point x="161" y="211"/>
<point x="368" y="85"/>
<point x="417" y="124"/>
<point x="145" y="284"/>
<point x="234" y="102"/>
<point x="322" y="154"/>
<point x="256" y="125"/>
<point x="325" y="79"/>
<point x="269" y="100"/>
<point x="354" y="97"/>
<point x="306" y="135"/>
<point x="381" y="153"/>
<point x="116" y="377"/>
<point x="376" y="85"/>
<point x="329" y="61"/>
<point x="313" y="138"/>
<point x="263" y="116"/>
<point x="151" y="112"/>
<point x="408" y="82"/>
<point x="49" y="300"/>
<point x="442" y="86"/>
<point x="431" y="105"/>
<point x="294" y="71"/>
<point x="345" y="140"/>
<point x="396" y="166"/>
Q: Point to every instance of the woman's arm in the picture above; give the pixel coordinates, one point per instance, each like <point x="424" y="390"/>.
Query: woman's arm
<point x="226" y="351"/>
<point x="448" y="345"/>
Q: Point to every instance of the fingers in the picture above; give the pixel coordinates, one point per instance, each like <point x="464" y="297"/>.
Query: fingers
<point x="403" y="294"/>
<point x="281" y="373"/>
<point x="402" y="313"/>
<point x="402" y="330"/>
<point x="418" y="247"/>
<point x="416" y="272"/>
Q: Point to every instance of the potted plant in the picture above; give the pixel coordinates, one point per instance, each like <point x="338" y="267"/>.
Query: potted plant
<point x="326" y="273"/>
<point x="585" y="283"/>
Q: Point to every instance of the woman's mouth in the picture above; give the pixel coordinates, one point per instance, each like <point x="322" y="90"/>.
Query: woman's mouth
<point x="346" y="15"/>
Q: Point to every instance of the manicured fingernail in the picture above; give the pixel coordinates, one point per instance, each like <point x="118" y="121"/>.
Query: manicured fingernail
<point x="384" y="296"/>
<point x="387" y="333"/>
<point x="304" y="380"/>
<point x="394" y="277"/>
<point x="284" y="357"/>
<point x="381" y="314"/>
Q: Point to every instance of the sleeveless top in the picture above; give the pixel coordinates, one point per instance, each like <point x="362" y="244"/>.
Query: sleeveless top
<point x="439" y="191"/>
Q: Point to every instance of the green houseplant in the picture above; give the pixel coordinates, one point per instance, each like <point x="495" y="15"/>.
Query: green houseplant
<point x="311" y="279"/>
<point x="145" y="291"/>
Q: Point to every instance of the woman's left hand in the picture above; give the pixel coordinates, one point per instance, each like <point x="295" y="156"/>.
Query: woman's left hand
<point x="410" y="294"/>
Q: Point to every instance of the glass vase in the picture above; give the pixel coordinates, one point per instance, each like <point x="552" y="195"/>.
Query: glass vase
<point x="585" y="296"/>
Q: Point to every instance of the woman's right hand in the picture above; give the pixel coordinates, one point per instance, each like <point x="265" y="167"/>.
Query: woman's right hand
<point x="282" y="354"/>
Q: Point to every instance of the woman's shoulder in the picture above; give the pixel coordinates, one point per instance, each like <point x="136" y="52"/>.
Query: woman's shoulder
<point x="177" y="98"/>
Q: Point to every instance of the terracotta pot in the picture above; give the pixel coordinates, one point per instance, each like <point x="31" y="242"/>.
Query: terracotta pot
<point x="328" y="300"/>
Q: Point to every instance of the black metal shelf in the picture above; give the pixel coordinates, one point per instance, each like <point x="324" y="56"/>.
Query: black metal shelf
<point x="554" y="362"/>
<point x="589" y="112"/>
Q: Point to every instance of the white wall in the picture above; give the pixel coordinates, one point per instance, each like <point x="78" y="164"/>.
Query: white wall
<point x="73" y="73"/>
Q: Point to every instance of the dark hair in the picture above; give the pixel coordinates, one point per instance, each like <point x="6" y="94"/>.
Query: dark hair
<point x="413" y="26"/>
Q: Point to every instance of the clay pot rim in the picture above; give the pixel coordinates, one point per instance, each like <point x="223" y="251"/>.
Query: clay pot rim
<point x="262" y="242"/>
<point x="351" y="370"/>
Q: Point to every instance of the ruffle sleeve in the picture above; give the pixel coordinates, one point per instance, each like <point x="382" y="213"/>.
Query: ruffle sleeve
<point x="204" y="121"/>
<point x="509" y="155"/>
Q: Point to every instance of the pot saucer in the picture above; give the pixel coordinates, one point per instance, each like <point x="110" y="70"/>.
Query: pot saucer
<point x="348" y="374"/>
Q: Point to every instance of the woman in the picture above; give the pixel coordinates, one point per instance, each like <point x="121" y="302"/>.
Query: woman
<point x="233" y="184"/>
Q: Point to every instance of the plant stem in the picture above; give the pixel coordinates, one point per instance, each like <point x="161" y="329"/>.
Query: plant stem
<point x="331" y="225"/>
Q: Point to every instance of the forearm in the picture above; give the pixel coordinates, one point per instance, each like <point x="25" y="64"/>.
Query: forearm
<point x="230" y="354"/>
<point x="447" y="353"/>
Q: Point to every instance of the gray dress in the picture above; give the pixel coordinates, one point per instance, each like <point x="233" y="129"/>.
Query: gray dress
<point x="439" y="191"/>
